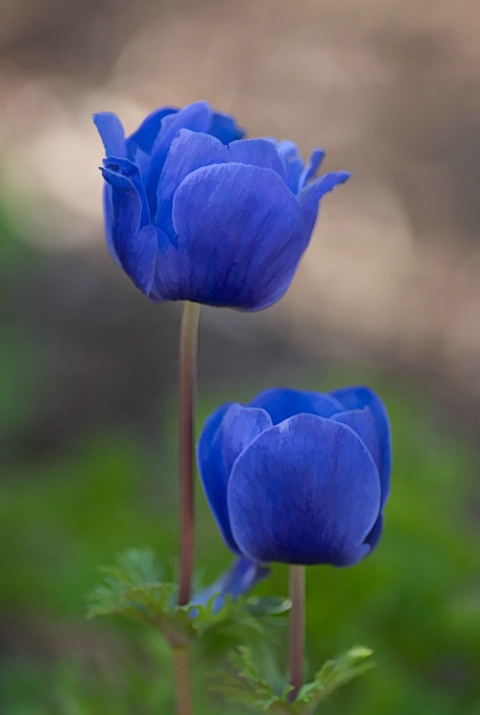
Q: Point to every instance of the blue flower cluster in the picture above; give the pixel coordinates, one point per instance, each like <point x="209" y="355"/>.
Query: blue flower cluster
<point x="194" y="212"/>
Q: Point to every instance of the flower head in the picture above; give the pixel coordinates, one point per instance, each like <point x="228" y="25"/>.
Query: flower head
<point x="195" y="212"/>
<point x="298" y="477"/>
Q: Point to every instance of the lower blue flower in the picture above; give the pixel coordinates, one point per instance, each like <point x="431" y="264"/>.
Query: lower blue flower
<point x="298" y="477"/>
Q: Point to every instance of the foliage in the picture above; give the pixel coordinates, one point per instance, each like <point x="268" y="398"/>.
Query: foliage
<point x="248" y="687"/>
<point x="415" y="601"/>
<point x="134" y="588"/>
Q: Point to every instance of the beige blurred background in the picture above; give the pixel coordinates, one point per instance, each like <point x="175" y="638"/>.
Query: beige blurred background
<point x="390" y="89"/>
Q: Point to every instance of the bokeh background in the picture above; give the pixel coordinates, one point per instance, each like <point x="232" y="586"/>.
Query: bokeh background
<point x="388" y="294"/>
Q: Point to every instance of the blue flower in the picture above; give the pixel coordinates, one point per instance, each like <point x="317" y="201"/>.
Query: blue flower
<point x="298" y="477"/>
<point x="194" y="212"/>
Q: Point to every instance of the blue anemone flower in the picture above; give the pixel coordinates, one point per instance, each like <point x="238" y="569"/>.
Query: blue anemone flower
<point x="195" y="212"/>
<point x="298" y="477"/>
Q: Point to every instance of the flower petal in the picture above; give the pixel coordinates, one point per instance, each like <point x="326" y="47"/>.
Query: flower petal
<point x="293" y="164"/>
<point x="373" y="537"/>
<point x="111" y="132"/>
<point x="144" y="137"/>
<point x="188" y="151"/>
<point x="197" y="117"/>
<point x="257" y="152"/>
<point x="240" y="426"/>
<point x="212" y="472"/>
<point x="119" y="169"/>
<point x="311" y="194"/>
<point x="237" y="581"/>
<point x="281" y="403"/>
<point x="225" y="434"/>
<point x="107" y="222"/>
<point x="316" y="158"/>
<point x="363" y="423"/>
<point x="133" y="239"/>
<point x="240" y="236"/>
<point x="353" y="398"/>
<point x="225" y="128"/>
<point x="304" y="492"/>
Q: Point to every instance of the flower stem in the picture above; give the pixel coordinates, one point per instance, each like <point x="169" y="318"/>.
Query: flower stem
<point x="182" y="680"/>
<point x="297" y="628"/>
<point x="188" y="381"/>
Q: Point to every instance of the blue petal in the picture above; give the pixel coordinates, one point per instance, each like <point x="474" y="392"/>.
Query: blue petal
<point x="225" y="128"/>
<point x="119" y="169"/>
<point x="107" y="221"/>
<point x="240" y="236"/>
<point x="363" y="423"/>
<point x="257" y="152"/>
<point x="316" y="158"/>
<point x="143" y="162"/>
<point x="281" y="403"/>
<point x="111" y="132"/>
<point x="225" y="435"/>
<point x="373" y="537"/>
<point x="168" y="272"/>
<point x="212" y="472"/>
<point x="353" y="398"/>
<point x="304" y="492"/>
<point x="237" y="581"/>
<point x="144" y="137"/>
<point x="293" y="164"/>
<point x="240" y="426"/>
<point x="197" y="117"/>
<point x="311" y="194"/>
<point x="133" y="240"/>
<point x="188" y="151"/>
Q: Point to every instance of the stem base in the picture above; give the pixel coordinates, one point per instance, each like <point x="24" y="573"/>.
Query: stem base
<point x="297" y="628"/>
<point x="188" y="383"/>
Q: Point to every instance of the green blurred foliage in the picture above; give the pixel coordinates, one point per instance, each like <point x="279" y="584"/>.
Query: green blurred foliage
<point x="415" y="602"/>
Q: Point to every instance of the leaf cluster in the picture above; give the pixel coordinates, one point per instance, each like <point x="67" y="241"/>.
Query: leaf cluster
<point x="134" y="588"/>
<point x="247" y="686"/>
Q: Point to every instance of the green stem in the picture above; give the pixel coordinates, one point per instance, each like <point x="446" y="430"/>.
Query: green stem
<point x="188" y="382"/>
<point x="182" y="680"/>
<point x="297" y="628"/>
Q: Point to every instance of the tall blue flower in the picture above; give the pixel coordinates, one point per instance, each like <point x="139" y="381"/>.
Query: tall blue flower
<point x="299" y="477"/>
<point x="194" y="212"/>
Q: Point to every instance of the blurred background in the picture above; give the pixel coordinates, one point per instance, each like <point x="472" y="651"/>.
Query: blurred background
<point x="388" y="294"/>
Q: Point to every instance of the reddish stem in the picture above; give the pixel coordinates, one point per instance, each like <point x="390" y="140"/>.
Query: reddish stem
<point x="188" y="384"/>
<point x="297" y="628"/>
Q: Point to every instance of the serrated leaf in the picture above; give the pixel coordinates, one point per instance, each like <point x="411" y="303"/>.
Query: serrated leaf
<point x="133" y="588"/>
<point x="248" y="687"/>
<point x="335" y="673"/>
<point x="240" y="615"/>
<point x="268" y="606"/>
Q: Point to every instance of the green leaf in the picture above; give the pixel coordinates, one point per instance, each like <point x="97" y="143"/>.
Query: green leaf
<point x="247" y="686"/>
<point x="134" y="588"/>
<point x="333" y="674"/>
